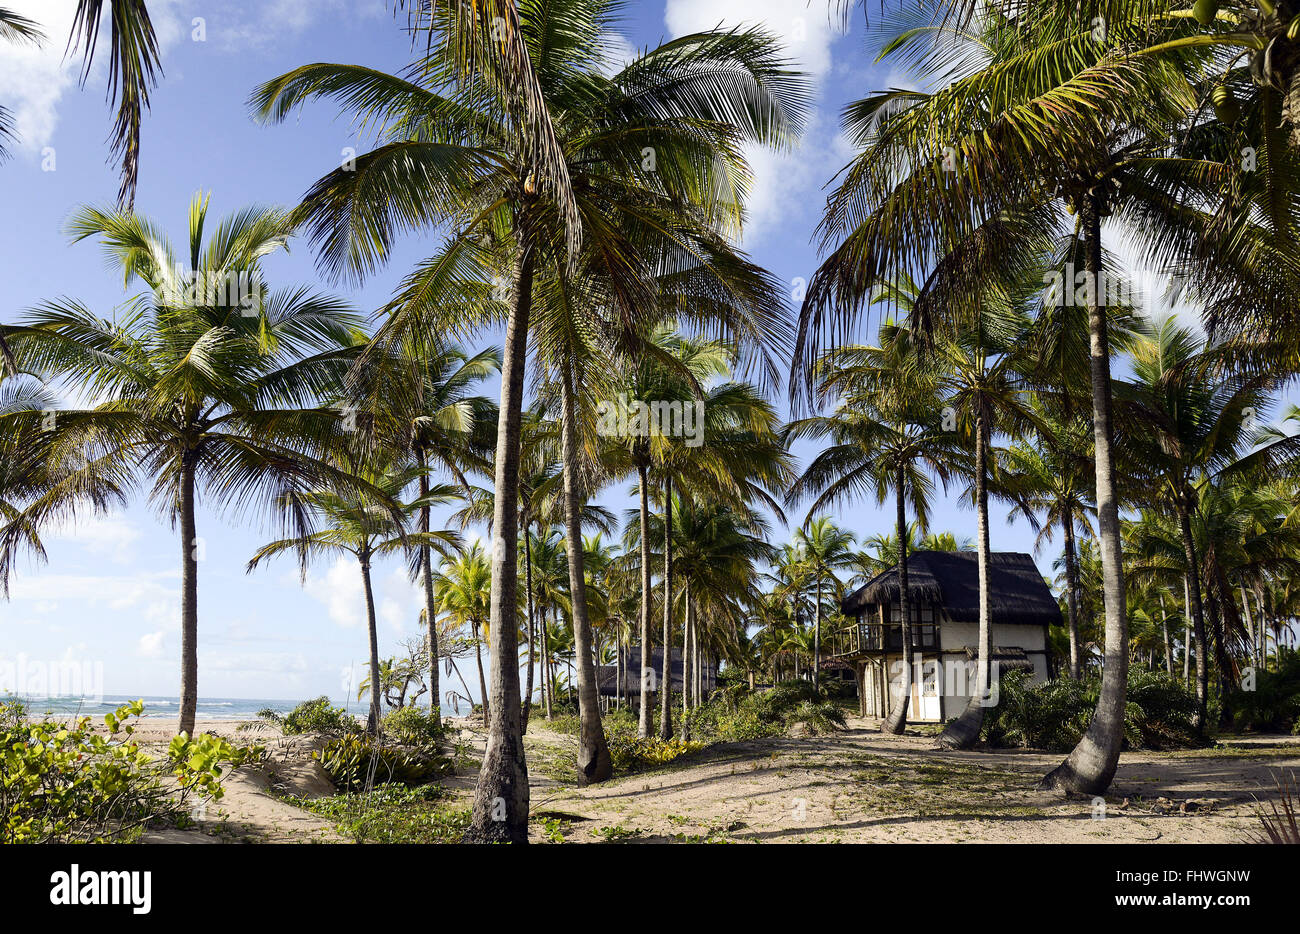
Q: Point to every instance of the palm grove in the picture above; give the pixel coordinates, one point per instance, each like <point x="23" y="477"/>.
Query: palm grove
<point x="592" y="210"/>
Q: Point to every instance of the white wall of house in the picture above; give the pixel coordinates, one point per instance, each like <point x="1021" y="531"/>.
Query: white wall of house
<point x="948" y="673"/>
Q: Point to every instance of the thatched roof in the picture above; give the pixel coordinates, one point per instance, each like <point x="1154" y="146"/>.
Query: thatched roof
<point x="950" y="579"/>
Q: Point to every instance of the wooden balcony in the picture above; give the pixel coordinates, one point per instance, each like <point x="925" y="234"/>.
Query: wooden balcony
<point x="877" y="638"/>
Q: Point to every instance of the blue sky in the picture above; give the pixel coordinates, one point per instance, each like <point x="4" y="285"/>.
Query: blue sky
<point x="110" y="591"/>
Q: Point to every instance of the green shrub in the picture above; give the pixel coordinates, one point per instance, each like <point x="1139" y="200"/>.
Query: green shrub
<point x="355" y="762"/>
<point x="412" y="726"/>
<point x="817" y="717"/>
<point x="317" y="715"/>
<point x="1055" y="715"/>
<point x="630" y="754"/>
<point x="64" y="782"/>
<point x="1274" y="705"/>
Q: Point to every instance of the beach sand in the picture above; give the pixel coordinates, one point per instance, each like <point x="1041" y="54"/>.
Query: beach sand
<point x="857" y="786"/>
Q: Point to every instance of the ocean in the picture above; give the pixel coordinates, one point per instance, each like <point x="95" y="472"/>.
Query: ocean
<point x="209" y="708"/>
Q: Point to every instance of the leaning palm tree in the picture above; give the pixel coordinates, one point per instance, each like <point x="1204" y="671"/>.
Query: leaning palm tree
<point x="456" y="155"/>
<point x="361" y="524"/>
<point x="204" y="382"/>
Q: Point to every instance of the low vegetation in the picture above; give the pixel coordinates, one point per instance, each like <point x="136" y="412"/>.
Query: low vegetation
<point x="1054" y="715"/>
<point x="69" y="782"/>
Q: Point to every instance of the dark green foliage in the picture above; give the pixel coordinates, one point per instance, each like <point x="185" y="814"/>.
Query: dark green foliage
<point x="1274" y="705"/>
<point x="412" y="726"/>
<point x="317" y="715"/>
<point x="356" y="762"/>
<point x="1056" y="714"/>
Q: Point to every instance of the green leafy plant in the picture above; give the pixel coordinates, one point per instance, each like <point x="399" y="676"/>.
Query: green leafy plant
<point x="391" y="814"/>
<point x="411" y="726"/>
<point x="70" y="782"/>
<point x="317" y="715"/>
<point x="1055" y="715"/>
<point x="355" y="762"/>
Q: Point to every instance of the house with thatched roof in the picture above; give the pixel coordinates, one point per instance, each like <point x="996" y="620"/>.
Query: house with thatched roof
<point x="944" y="603"/>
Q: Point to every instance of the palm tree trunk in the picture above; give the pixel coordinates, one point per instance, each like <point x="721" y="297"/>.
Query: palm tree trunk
<point x="372" y="631"/>
<point x="478" y="656"/>
<point x="897" y="720"/>
<point x="666" y="685"/>
<point x="501" y="796"/>
<point x="1072" y="597"/>
<point x="1197" y="612"/>
<point x="594" y="764"/>
<point x="548" y="679"/>
<point x="817" y="634"/>
<point x="964" y="732"/>
<point x="688" y="661"/>
<point x="644" y="718"/>
<point x="1091" y="765"/>
<point x="189" y="599"/>
<point x="430" y="605"/>
<point x="1164" y="631"/>
<point x="532" y="629"/>
<point x="1250" y="624"/>
<point x="1187" y="630"/>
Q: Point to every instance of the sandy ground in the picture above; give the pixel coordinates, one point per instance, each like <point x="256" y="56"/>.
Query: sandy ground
<point x="858" y="786"/>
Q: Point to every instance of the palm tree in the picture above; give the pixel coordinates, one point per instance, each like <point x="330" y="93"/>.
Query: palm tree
<point x="1190" y="413"/>
<point x="887" y="433"/>
<point x="456" y="152"/>
<point x="1043" y="117"/>
<point x="204" y="381"/>
<point x="1049" y="474"/>
<point x="423" y="402"/>
<point x="825" y="549"/>
<point x="363" y="525"/>
<point x="463" y="590"/>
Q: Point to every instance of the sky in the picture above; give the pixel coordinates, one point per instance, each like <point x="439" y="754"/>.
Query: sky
<point x="108" y="597"/>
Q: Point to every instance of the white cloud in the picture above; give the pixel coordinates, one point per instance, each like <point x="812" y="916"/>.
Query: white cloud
<point x="264" y="22"/>
<point x="805" y="29"/>
<point x="151" y="645"/>
<point x="118" y="592"/>
<point x="342" y="593"/>
<point x="34" y="78"/>
<point x="112" y="537"/>
<point x="785" y="190"/>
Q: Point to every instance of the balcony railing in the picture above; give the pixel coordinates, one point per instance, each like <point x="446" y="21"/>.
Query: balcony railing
<point x="875" y="637"/>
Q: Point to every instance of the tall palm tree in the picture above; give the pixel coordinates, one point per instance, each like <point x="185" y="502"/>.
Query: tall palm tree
<point x="358" y="524"/>
<point x="422" y="400"/>
<point x="202" y="382"/>
<point x="825" y="549"/>
<point x="463" y="590"/>
<point x="1040" y="116"/>
<point x="1190" y="410"/>
<point x="887" y="434"/>
<point x="456" y="152"/>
